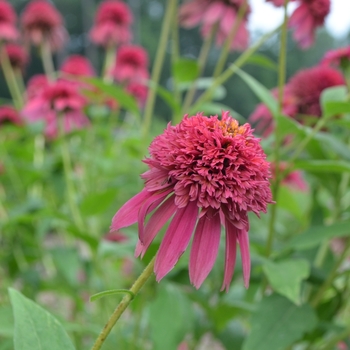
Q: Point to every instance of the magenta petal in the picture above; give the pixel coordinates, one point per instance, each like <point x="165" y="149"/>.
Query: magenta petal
<point x="230" y="254"/>
<point x="176" y="239"/>
<point x="156" y="222"/>
<point x="243" y="240"/>
<point x="147" y="206"/>
<point x="204" y="249"/>
<point x="127" y="214"/>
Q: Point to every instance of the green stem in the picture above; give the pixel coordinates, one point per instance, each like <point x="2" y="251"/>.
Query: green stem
<point x="158" y="64"/>
<point x="38" y="161"/>
<point x="227" y="45"/>
<point x="110" y="61"/>
<point x="11" y="79"/>
<point x="68" y="172"/>
<point x="331" y="276"/>
<point x="46" y="57"/>
<point x="231" y="70"/>
<point x="281" y="82"/>
<point x="138" y="284"/>
<point x="202" y="59"/>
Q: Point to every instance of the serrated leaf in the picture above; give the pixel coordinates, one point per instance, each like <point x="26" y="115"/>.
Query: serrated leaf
<point x="286" y="276"/>
<point x="36" y="328"/>
<point x="278" y="323"/>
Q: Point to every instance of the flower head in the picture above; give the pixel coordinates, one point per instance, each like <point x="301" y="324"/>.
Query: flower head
<point x="77" y="65"/>
<point x="307" y="85"/>
<point x="17" y="55"/>
<point x="339" y="57"/>
<point x="131" y="63"/>
<point x="8" y="18"/>
<point x="139" y="90"/>
<point x="36" y="84"/>
<point x="293" y="179"/>
<point x="112" y="24"/>
<point x="57" y="100"/>
<point x="309" y="15"/>
<point x="41" y="21"/>
<point x="9" y="115"/>
<point x="203" y="172"/>
<point x="212" y="13"/>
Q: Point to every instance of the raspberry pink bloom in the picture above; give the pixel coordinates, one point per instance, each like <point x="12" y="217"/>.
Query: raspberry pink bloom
<point x="139" y="90"/>
<point x="131" y="63"/>
<point x="78" y="65"/>
<point x="58" y="100"/>
<point x="307" y="85"/>
<point x="293" y="179"/>
<point x="41" y="21"/>
<point x="339" y="57"/>
<point x="36" y="84"/>
<point x="17" y="55"/>
<point x="309" y="15"/>
<point x="211" y="13"/>
<point x="112" y="24"/>
<point x="203" y="172"/>
<point x="9" y="115"/>
<point x="8" y="18"/>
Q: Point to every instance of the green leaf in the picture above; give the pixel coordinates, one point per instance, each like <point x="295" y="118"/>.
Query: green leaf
<point x="36" y="328"/>
<point x="170" y="318"/>
<point x="286" y="276"/>
<point x="333" y="100"/>
<point x="330" y="142"/>
<point x="185" y="70"/>
<point x="328" y="166"/>
<point x="204" y="84"/>
<point x="260" y="91"/>
<point x="117" y="92"/>
<point x="217" y="108"/>
<point x="111" y="292"/>
<point x="278" y="323"/>
<point x="97" y="202"/>
<point x="317" y="234"/>
<point x="263" y="61"/>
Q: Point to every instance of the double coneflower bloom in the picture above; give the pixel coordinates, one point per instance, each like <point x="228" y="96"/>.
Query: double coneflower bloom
<point x="203" y="173"/>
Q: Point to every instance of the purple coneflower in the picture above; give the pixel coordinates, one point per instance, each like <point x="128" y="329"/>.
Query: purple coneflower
<point x="203" y="172"/>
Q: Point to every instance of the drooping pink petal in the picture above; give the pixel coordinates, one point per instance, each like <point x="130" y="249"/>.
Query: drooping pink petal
<point x="147" y="206"/>
<point x="176" y="239"/>
<point x="128" y="213"/>
<point x="155" y="223"/>
<point x="243" y="240"/>
<point x="205" y="247"/>
<point x="230" y="254"/>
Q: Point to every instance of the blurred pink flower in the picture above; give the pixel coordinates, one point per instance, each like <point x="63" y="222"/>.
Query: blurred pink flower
<point x="112" y="24"/>
<point x="307" y="85"/>
<point x="114" y="236"/>
<point x="139" y="90"/>
<point x="41" y="21"/>
<point x="57" y="100"/>
<point x="36" y="84"/>
<point x="207" y="170"/>
<point x="309" y="15"/>
<point x="8" y="18"/>
<point x="17" y="55"/>
<point x="131" y="63"/>
<point x="78" y="65"/>
<point x="209" y="13"/>
<point x="339" y="57"/>
<point x="8" y="114"/>
<point x="293" y="179"/>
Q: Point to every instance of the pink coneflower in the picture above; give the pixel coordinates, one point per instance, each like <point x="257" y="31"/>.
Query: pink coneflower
<point x="36" y="84"/>
<point x="58" y="100"/>
<point x="309" y="15"/>
<point x="221" y="13"/>
<point x="139" y="90"/>
<point x="113" y="236"/>
<point x="293" y="179"/>
<point x="17" y="55"/>
<point x="131" y="63"/>
<point x="8" y="18"/>
<point x="41" y="21"/>
<point x="78" y="65"/>
<point x="112" y="24"/>
<point x="339" y="57"/>
<point x="307" y="85"/>
<point x="8" y="114"/>
<point x="206" y="171"/>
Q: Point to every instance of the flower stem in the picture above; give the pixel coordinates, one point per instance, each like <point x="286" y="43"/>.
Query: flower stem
<point x="67" y="167"/>
<point x="227" y="45"/>
<point x="232" y="69"/>
<point x="109" y="62"/>
<point x="158" y="64"/>
<point x="202" y="59"/>
<point x="281" y="82"/>
<point x="138" y="284"/>
<point x="46" y="57"/>
<point x="11" y="79"/>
